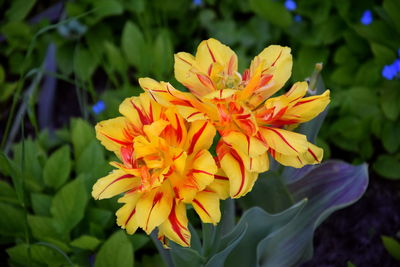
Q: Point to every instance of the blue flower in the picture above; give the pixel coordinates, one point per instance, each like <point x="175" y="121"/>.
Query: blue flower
<point x="298" y="18"/>
<point x="99" y="107"/>
<point x="197" y="2"/>
<point x="389" y="72"/>
<point x="366" y="17"/>
<point x="290" y="5"/>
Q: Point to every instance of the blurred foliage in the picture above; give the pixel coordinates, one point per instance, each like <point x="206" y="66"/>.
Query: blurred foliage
<point x="103" y="46"/>
<point x="48" y="213"/>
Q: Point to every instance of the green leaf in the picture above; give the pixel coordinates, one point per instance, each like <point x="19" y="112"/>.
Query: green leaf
<point x="330" y="186"/>
<point x="57" y="168"/>
<point x="12" y="220"/>
<point x="65" y="58"/>
<point x="115" y="59"/>
<point x="116" y="251"/>
<point x="7" y="193"/>
<point x="272" y="11"/>
<point x="390" y="96"/>
<point x="139" y="240"/>
<point x="260" y="224"/>
<point x="182" y="256"/>
<point x="100" y="217"/>
<point x="307" y="57"/>
<point x="390" y="136"/>
<point x="133" y="44"/>
<point x="162" y="54"/>
<point x="378" y="32"/>
<point x="106" y="8"/>
<point x="269" y="193"/>
<point x="350" y="264"/>
<point x="392" y="8"/>
<point x="2" y="74"/>
<point x="383" y="54"/>
<point x="19" y="9"/>
<point x="387" y="166"/>
<point x="392" y="246"/>
<point x="68" y="206"/>
<point x="82" y="133"/>
<point x="43" y="227"/>
<point x="92" y="160"/>
<point x="84" y="63"/>
<point x="86" y="242"/>
<point x="20" y="254"/>
<point x="231" y="242"/>
<point x="28" y="158"/>
<point x="41" y="204"/>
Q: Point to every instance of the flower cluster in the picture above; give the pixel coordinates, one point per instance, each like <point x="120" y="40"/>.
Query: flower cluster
<point x="164" y="137"/>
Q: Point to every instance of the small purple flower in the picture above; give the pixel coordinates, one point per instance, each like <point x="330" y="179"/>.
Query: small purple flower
<point x="197" y="2"/>
<point x="389" y="72"/>
<point x="290" y="5"/>
<point x="366" y="17"/>
<point x="298" y="18"/>
<point x="99" y="107"/>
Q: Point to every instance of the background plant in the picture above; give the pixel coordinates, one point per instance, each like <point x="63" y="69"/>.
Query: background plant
<point x="59" y="59"/>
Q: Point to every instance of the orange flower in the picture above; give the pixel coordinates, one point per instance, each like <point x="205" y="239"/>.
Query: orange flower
<point x="165" y="165"/>
<point x="250" y="122"/>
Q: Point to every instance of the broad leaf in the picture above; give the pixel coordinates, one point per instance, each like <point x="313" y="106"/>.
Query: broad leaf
<point x="57" y="168"/>
<point x="68" y="206"/>
<point x="331" y="186"/>
<point x="116" y="251"/>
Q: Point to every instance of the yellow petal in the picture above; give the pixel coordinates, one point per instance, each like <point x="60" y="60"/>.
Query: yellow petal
<point x="203" y="168"/>
<point x="153" y="208"/>
<point x="313" y="155"/>
<point x="187" y="74"/>
<point x="206" y="204"/>
<point x="298" y="90"/>
<point x="175" y="227"/>
<point x="140" y="110"/>
<point x="240" y="178"/>
<point x="114" y="133"/>
<point x="221" y="94"/>
<point x="220" y="184"/>
<point x="166" y="95"/>
<point x="211" y="51"/>
<point x="284" y="142"/>
<point x="276" y="61"/>
<point x="249" y="145"/>
<point x="200" y="136"/>
<point x="113" y="184"/>
<point x="307" y="108"/>
<point x="125" y="217"/>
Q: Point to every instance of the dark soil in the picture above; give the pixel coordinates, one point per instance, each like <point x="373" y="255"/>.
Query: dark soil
<point x="354" y="234"/>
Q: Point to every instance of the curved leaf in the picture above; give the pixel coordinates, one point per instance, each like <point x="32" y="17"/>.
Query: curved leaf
<point x="260" y="224"/>
<point x="331" y="186"/>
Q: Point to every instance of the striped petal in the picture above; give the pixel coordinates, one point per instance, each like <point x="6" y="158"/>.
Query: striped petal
<point x="204" y="168"/>
<point x="153" y="208"/>
<point x="307" y="108"/>
<point x="249" y="145"/>
<point x="114" y="133"/>
<point x="241" y="180"/>
<point x="165" y="94"/>
<point x="125" y="215"/>
<point x="220" y="184"/>
<point x="213" y="51"/>
<point x="276" y="61"/>
<point x="175" y="227"/>
<point x="140" y="111"/>
<point x="187" y="74"/>
<point x="113" y="184"/>
<point x="206" y="204"/>
<point x="284" y="142"/>
<point x="313" y="155"/>
<point x="200" y="136"/>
